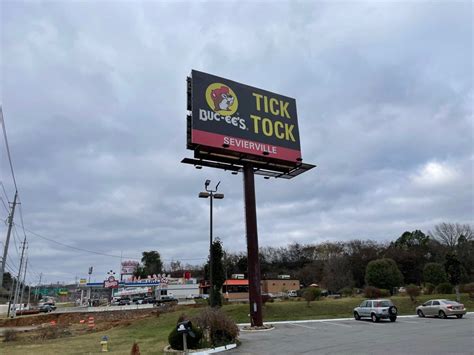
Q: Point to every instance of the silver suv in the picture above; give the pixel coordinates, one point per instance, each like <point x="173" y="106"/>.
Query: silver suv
<point x="376" y="310"/>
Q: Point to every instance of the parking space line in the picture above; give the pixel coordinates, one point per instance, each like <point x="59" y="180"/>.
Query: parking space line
<point x="302" y="326"/>
<point x="340" y="325"/>
<point x="331" y="323"/>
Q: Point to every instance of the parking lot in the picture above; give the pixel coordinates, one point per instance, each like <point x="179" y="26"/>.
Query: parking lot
<point x="408" y="335"/>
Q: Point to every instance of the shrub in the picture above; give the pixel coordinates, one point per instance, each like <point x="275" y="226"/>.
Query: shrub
<point x="444" y="288"/>
<point x="434" y="273"/>
<point x="413" y="291"/>
<point x="135" y="349"/>
<point x="346" y="291"/>
<point x="372" y="292"/>
<point x="218" y="327"/>
<point x="384" y="293"/>
<point x="468" y="288"/>
<point x="10" y="335"/>
<point x="311" y="293"/>
<point x="429" y="288"/>
<point x="383" y="273"/>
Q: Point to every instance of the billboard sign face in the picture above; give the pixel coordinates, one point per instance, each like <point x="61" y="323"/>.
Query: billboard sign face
<point x="230" y="116"/>
<point x="111" y="282"/>
<point x="129" y="267"/>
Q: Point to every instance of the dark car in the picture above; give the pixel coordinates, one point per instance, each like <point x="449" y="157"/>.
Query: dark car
<point x="149" y="300"/>
<point x="138" y="300"/>
<point x="124" y="301"/>
<point x="166" y="299"/>
<point x="47" y="307"/>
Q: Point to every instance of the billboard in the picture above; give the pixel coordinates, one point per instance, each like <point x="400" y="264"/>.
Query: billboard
<point x="128" y="267"/>
<point x="111" y="282"/>
<point x="242" y="120"/>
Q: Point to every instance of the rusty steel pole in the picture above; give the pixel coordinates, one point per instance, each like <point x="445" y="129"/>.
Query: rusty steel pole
<point x="255" y="296"/>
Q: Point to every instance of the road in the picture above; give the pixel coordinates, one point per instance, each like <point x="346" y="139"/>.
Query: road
<point x="114" y="308"/>
<point x="408" y="335"/>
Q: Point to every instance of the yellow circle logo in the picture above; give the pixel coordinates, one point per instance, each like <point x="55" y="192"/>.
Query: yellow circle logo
<point x="221" y="99"/>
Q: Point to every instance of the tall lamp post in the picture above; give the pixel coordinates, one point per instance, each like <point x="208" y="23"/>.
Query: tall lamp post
<point x="212" y="194"/>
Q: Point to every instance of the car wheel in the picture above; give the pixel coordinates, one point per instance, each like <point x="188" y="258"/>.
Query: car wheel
<point x="356" y="316"/>
<point x="420" y="313"/>
<point x="459" y="315"/>
<point x="441" y="314"/>
<point x="393" y="318"/>
<point x="393" y="310"/>
<point x="374" y="317"/>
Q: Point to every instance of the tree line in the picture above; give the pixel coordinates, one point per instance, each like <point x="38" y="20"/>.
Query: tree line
<point x="419" y="257"/>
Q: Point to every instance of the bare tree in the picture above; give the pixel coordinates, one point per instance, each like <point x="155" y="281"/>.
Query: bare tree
<point x="449" y="233"/>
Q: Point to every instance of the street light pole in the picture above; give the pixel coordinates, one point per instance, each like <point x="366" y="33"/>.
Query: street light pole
<point x="212" y="195"/>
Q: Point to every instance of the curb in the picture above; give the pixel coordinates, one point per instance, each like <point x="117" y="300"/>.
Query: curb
<point x="202" y="351"/>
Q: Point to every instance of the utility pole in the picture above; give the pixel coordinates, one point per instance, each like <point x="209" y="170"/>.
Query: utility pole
<point x="10" y="297"/>
<point x="5" y="250"/>
<point x="23" y="286"/>
<point x="39" y="284"/>
<point x="17" y="289"/>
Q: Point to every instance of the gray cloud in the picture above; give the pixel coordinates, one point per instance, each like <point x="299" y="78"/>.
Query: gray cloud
<point x="94" y="101"/>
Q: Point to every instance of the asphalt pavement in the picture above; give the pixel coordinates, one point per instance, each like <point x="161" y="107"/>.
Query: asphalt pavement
<point x="408" y="335"/>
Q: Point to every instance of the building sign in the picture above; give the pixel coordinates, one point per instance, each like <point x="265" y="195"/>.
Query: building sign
<point x="82" y="281"/>
<point x="230" y="116"/>
<point x="128" y="267"/>
<point x="111" y="283"/>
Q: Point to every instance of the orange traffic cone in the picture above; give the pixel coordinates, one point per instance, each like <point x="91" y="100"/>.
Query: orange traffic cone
<point x="91" y="323"/>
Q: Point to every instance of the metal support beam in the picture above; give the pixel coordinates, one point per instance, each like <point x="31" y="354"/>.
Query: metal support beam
<point x="255" y="296"/>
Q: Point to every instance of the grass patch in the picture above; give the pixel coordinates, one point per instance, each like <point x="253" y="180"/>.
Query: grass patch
<point x="151" y="333"/>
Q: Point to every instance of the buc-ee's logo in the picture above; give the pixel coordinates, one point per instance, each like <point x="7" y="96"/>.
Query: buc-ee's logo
<point x="221" y="99"/>
<point x="224" y="103"/>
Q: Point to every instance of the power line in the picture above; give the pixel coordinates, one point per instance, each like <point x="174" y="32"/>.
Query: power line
<point x="3" y="188"/>
<point x="8" y="148"/>
<point x="15" y="237"/>
<point x="4" y="204"/>
<point x="21" y="216"/>
<point x="97" y="252"/>
<point x="75" y="248"/>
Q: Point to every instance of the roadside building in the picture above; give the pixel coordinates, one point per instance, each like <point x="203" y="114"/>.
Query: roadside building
<point x="238" y="290"/>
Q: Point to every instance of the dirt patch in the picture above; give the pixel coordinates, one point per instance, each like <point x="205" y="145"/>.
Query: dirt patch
<point x="66" y="319"/>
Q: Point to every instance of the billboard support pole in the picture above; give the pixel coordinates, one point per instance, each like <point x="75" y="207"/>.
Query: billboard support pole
<point x="255" y="297"/>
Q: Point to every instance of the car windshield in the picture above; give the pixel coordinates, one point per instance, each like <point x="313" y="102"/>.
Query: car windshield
<point x="383" y="304"/>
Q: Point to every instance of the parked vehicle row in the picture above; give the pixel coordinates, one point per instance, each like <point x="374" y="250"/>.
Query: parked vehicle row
<point x="126" y="301"/>
<point x="385" y="309"/>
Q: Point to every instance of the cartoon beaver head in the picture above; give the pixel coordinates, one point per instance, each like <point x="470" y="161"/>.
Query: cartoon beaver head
<point x="222" y="98"/>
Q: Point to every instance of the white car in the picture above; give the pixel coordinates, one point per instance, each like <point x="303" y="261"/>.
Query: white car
<point x="292" y="293"/>
<point x="376" y="310"/>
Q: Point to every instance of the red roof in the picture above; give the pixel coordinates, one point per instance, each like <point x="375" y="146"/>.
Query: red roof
<point x="236" y="282"/>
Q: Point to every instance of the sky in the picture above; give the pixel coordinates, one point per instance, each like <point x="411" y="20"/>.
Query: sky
<point x="94" y="102"/>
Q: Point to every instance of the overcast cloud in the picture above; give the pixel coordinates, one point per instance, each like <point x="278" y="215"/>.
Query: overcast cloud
<point x="94" y="100"/>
